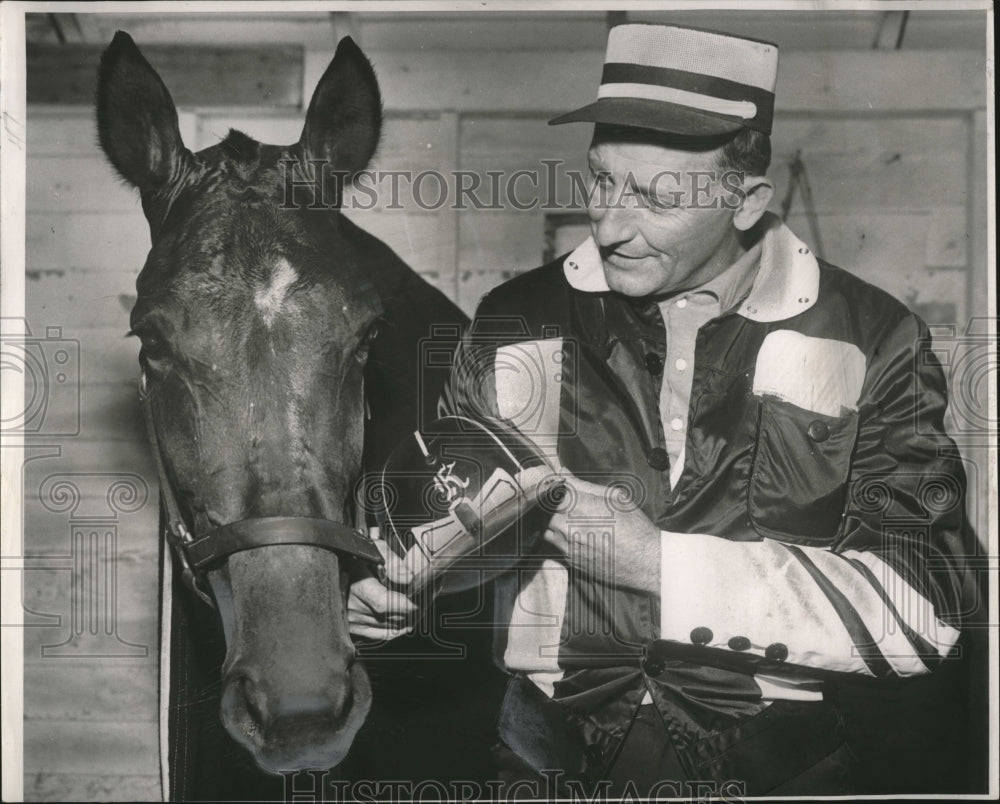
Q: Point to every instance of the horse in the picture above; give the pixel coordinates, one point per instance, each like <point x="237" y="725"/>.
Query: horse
<point x="267" y="395"/>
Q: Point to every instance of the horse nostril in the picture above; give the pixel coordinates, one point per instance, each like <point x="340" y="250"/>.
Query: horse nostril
<point x="243" y="708"/>
<point x="254" y="701"/>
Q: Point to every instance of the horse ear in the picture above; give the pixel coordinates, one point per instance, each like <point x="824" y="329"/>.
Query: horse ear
<point x="136" y="117"/>
<point x="344" y="120"/>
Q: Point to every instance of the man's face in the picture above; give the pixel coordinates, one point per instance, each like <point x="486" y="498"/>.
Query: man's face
<point x="662" y="217"/>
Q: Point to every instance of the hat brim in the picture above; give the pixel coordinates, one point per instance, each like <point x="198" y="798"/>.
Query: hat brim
<point x="668" y="118"/>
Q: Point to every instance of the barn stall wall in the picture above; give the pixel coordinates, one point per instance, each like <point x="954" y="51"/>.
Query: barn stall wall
<point x="893" y="142"/>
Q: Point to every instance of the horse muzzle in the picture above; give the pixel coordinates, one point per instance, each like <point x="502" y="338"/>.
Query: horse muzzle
<point x="294" y="730"/>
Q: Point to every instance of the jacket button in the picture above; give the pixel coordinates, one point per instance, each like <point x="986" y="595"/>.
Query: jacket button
<point x="776" y="652"/>
<point x="701" y="635"/>
<point x="739" y="643"/>
<point x="818" y="431"/>
<point x="652" y="667"/>
<point x="654" y="364"/>
<point x="658" y="459"/>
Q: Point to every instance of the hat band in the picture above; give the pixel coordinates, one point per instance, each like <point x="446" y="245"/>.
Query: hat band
<point x="745" y="110"/>
<point x="700" y="91"/>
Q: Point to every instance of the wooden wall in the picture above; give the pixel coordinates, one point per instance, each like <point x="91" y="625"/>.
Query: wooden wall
<point x="893" y="142"/>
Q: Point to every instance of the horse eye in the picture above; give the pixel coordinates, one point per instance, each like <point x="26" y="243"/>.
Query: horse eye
<point x="154" y="347"/>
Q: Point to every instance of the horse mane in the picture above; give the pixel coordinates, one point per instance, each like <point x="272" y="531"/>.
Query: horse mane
<point x="240" y="147"/>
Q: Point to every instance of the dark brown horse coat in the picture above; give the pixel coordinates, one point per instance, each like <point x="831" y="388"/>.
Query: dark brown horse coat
<point x="431" y="720"/>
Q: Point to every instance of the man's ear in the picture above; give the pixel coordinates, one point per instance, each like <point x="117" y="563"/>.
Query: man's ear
<point x="757" y="192"/>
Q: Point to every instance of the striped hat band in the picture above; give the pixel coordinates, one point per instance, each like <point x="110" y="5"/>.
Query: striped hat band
<point x="683" y="81"/>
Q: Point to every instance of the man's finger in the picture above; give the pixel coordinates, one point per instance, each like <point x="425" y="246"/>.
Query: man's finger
<point x="583" y="486"/>
<point x="373" y="595"/>
<point x="378" y="633"/>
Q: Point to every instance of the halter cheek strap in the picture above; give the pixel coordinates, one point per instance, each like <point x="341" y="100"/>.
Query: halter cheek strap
<point x="196" y="553"/>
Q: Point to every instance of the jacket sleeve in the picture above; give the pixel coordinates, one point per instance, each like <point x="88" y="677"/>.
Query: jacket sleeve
<point x="470" y="389"/>
<point x="887" y="596"/>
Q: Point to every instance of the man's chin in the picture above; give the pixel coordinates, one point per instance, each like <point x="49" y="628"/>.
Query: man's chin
<point x="630" y="282"/>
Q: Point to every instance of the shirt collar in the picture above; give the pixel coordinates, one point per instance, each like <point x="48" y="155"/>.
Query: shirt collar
<point x="786" y="284"/>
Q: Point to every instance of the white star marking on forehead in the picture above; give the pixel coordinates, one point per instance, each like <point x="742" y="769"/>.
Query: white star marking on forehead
<point x="270" y="299"/>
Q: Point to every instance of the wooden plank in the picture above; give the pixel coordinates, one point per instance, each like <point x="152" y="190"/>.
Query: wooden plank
<point x="197" y="75"/>
<point x="77" y="184"/>
<point x="96" y="411"/>
<point x="93" y="456"/>
<point x="49" y="590"/>
<point x="89" y="499"/>
<point x="48" y="786"/>
<point x="113" y="749"/>
<point x="507" y="146"/>
<point x="449" y="213"/>
<point x="500" y="242"/>
<point x="116" y="242"/>
<point x="473" y="285"/>
<point x="47" y="533"/>
<point x="418" y="239"/>
<point x="536" y="29"/>
<point x="495" y="246"/>
<point x="982" y="188"/>
<point x="888" y="250"/>
<point x="272" y="129"/>
<point x="467" y="81"/>
<point x="882" y="81"/>
<point x="826" y="80"/>
<point x="478" y="32"/>
<point x="876" y="163"/>
<point x="553" y="30"/>
<point x="62" y="132"/>
<point x="408" y="143"/>
<point x="75" y="298"/>
<point x="948" y="30"/>
<point x="982" y="501"/>
<point x="210" y="28"/>
<point x="948" y="238"/>
<point x="891" y="29"/>
<point x="135" y="623"/>
<point x="68" y="690"/>
<point x="106" y="355"/>
<point x="850" y="162"/>
<point x="803" y="29"/>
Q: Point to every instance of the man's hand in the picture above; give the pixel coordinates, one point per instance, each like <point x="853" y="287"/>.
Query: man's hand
<point x="377" y="612"/>
<point x="615" y="547"/>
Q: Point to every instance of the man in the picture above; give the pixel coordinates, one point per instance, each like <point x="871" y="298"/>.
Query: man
<point x="745" y="431"/>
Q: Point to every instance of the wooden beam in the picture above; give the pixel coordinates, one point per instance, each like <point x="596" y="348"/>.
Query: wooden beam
<point x="614" y="18"/>
<point x="196" y="75"/>
<point x="345" y="23"/>
<point x="825" y="81"/>
<point x="838" y="81"/>
<point x="891" y="29"/>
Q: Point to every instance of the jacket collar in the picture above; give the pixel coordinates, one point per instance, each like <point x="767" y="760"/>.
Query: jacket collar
<point x="786" y="284"/>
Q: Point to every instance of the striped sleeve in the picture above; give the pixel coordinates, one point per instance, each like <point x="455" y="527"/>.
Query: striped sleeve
<point x="848" y="612"/>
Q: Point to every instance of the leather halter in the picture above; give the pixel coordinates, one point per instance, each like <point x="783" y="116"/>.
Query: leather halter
<point x="196" y="553"/>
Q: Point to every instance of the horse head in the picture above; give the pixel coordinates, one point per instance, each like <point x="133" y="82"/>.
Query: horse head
<point x="255" y="309"/>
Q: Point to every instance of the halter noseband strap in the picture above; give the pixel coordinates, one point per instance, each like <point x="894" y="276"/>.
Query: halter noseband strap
<point x="196" y="553"/>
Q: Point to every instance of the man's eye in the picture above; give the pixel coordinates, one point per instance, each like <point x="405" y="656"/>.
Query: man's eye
<point x="601" y="177"/>
<point x="661" y="204"/>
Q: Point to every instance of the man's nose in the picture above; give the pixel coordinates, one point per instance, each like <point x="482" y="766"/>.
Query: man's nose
<point x="616" y="221"/>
